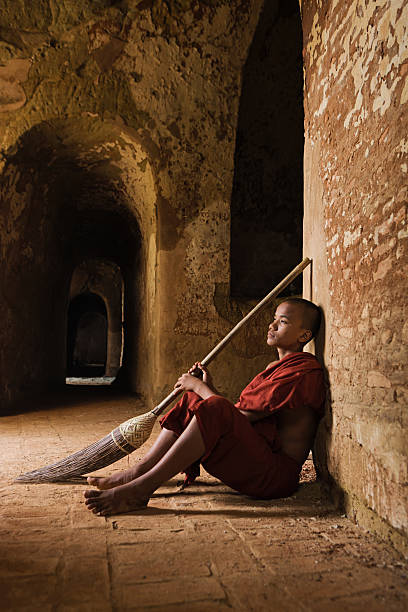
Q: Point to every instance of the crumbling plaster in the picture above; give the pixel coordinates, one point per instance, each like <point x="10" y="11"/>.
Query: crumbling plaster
<point x="355" y="67"/>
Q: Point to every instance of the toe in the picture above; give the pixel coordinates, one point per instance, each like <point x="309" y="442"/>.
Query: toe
<point x="91" y="503"/>
<point x="93" y="480"/>
<point x="91" y="493"/>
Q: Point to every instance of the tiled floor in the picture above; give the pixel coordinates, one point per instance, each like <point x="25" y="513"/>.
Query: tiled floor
<point x="204" y="549"/>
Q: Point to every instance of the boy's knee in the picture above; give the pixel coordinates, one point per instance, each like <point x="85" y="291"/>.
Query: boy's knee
<point x="217" y="405"/>
<point x="190" y="398"/>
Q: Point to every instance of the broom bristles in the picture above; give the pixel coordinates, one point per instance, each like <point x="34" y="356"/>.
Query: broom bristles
<point x="122" y="441"/>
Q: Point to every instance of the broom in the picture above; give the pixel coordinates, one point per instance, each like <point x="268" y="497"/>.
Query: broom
<point x="131" y="434"/>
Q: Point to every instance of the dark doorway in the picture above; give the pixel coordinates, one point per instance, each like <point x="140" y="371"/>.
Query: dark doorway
<point x="87" y="336"/>
<point x="267" y="193"/>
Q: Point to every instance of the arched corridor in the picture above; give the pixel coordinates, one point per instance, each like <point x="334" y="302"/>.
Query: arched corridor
<point x="84" y="214"/>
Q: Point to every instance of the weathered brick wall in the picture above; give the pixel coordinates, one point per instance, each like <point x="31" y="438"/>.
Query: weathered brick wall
<point x="356" y="188"/>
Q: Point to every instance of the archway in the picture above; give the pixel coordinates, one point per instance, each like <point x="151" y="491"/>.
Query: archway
<point x="104" y="278"/>
<point x="73" y="192"/>
<point x="87" y="336"/>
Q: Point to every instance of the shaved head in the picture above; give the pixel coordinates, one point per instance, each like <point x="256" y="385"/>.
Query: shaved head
<point x="311" y="314"/>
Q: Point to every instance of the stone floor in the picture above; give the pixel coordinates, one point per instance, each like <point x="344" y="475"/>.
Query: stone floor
<point x="203" y="549"/>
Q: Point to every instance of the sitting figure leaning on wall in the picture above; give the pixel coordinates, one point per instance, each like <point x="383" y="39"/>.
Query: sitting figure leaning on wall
<point x="256" y="446"/>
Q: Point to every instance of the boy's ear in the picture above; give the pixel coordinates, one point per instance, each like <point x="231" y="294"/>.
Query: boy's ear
<point x="306" y="336"/>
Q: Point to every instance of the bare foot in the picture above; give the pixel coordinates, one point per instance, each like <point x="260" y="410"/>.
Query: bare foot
<point x="116" y="480"/>
<point x="122" y="498"/>
<point x="105" y="483"/>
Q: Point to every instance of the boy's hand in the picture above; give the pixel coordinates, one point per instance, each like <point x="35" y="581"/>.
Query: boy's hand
<point x="188" y="382"/>
<point x="203" y="387"/>
<point x="206" y="376"/>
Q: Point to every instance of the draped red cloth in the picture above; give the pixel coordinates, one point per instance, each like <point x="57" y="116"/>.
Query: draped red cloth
<point x="294" y="380"/>
<point x="247" y="456"/>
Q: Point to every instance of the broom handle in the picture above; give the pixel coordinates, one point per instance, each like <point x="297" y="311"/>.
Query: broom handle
<point x="218" y="348"/>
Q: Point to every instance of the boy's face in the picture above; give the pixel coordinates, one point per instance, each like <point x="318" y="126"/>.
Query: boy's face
<point x="287" y="331"/>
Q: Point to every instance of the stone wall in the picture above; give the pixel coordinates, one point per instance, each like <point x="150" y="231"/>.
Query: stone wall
<point x="356" y="188"/>
<point x="33" y="283"/>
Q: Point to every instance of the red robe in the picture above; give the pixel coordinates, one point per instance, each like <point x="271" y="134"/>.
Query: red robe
<point x="247" y="456"/>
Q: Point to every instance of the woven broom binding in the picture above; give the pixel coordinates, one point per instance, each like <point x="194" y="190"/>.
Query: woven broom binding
<point x="135" y="431"/>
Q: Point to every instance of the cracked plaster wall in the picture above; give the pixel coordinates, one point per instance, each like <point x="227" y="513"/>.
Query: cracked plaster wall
<point x="356" y="188"/>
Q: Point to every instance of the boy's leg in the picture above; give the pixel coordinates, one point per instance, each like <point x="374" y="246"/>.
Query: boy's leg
<point x="164" y="441"/>
<point x="135" y="494"/>
<point x="247" y="457"/>
<point x="178" y="419"/>
<point x="229" y="448"/>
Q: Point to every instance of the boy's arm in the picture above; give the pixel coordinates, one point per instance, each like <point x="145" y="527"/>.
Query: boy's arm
<point x="253" y="415"/>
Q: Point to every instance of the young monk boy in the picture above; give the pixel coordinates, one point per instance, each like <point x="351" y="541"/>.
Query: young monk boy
<point x="256" y="446"/>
